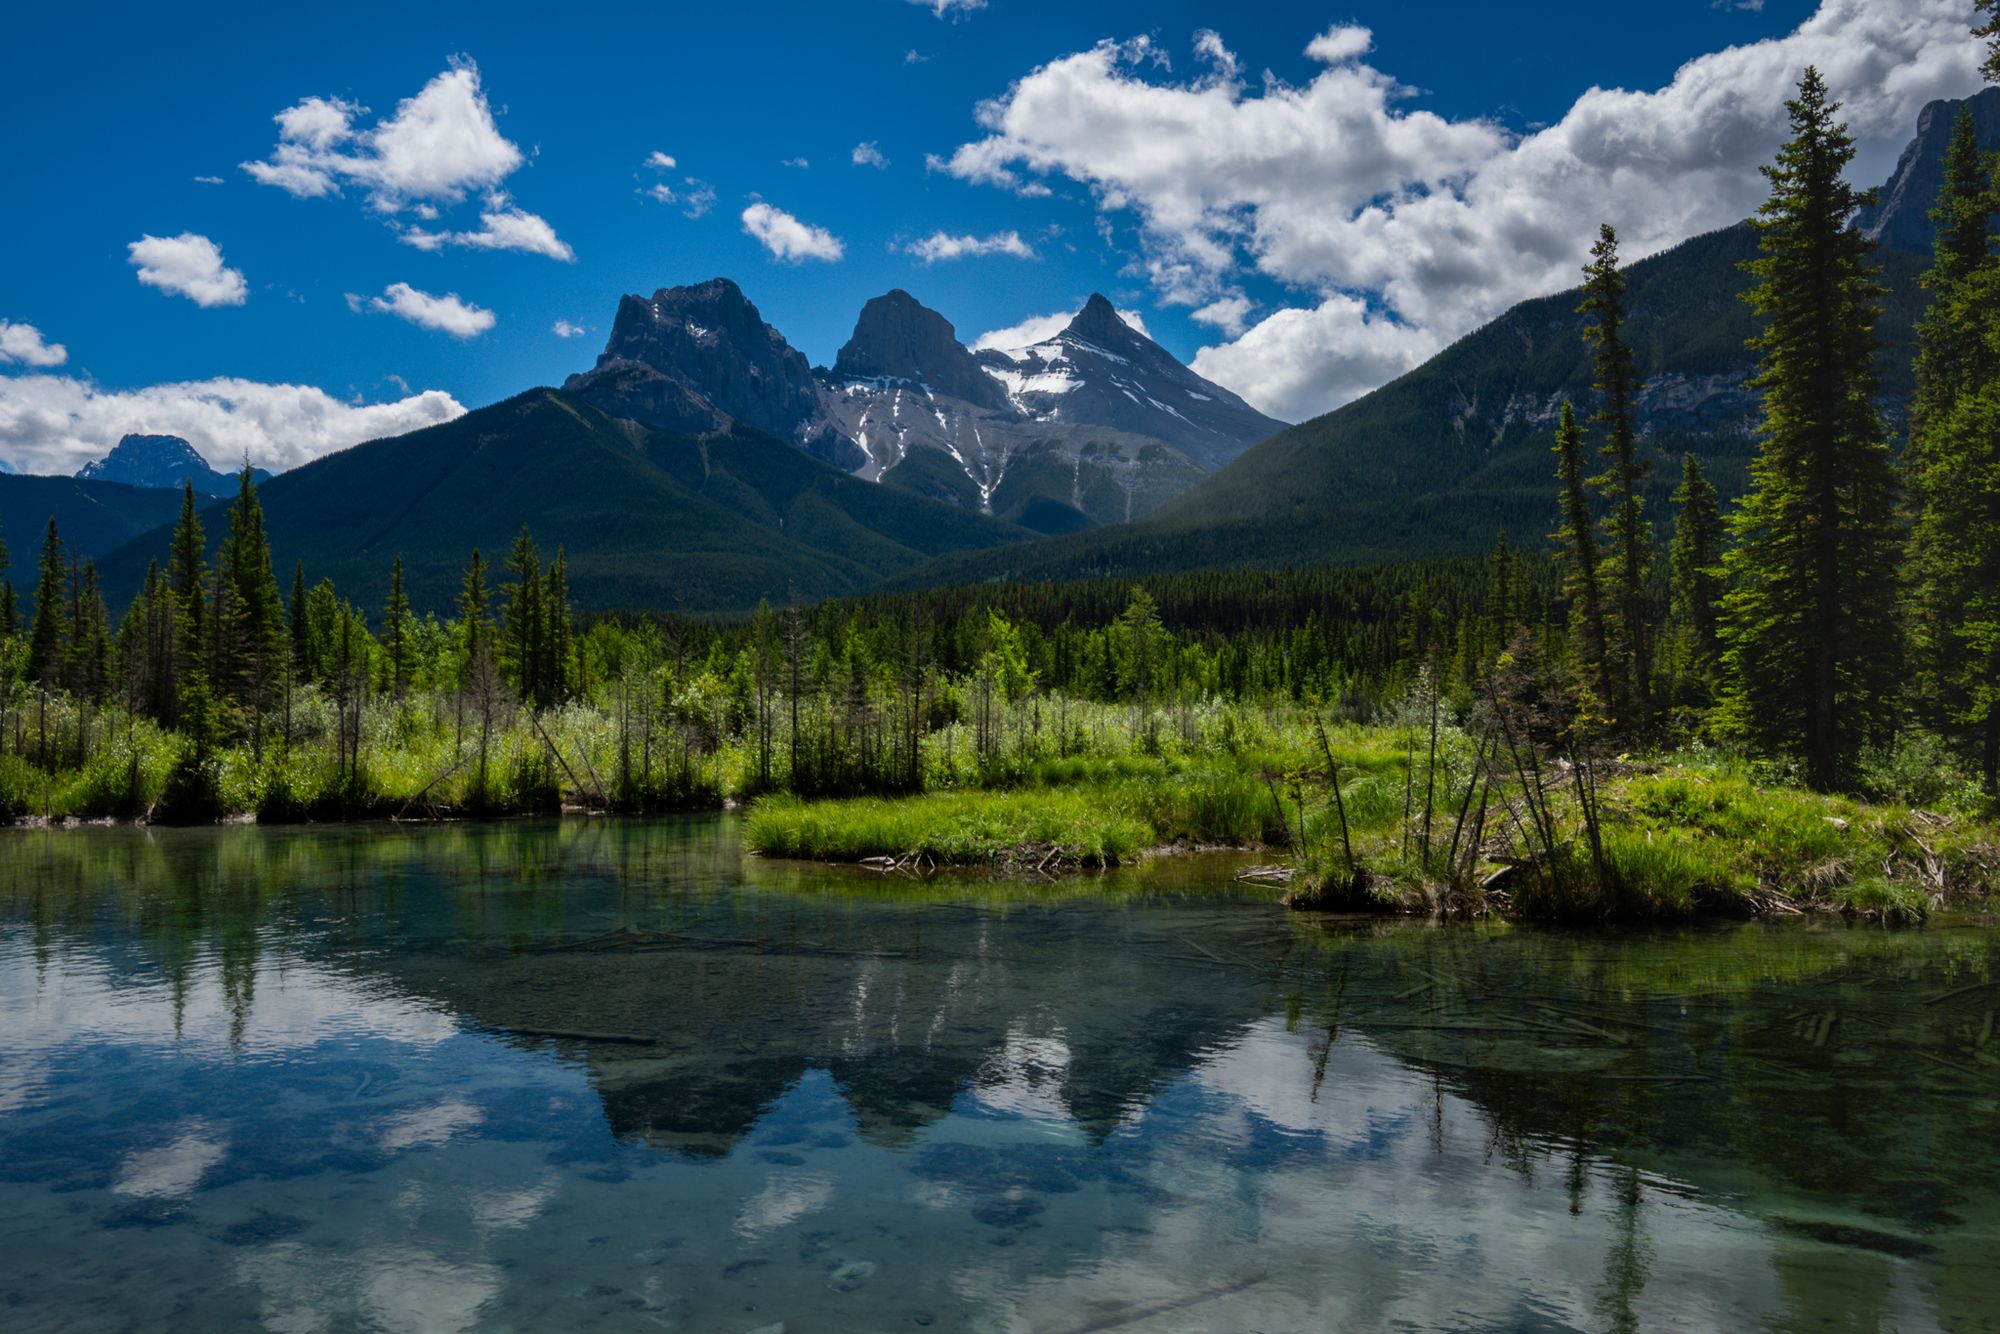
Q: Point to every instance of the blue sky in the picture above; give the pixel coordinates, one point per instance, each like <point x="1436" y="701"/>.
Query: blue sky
<point x="116" y="122"/>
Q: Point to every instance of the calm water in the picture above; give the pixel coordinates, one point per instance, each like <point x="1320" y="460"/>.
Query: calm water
<point x="618" y="1076"/>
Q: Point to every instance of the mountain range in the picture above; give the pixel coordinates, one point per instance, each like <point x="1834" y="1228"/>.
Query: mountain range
<point x="1097" y="424"/>
<point x="704" y="463"/>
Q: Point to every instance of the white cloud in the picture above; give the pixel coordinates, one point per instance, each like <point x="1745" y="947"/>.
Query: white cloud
<point x="564" y="329"/>
<point x="800" y="163"/>
<point x="1404" y="229"/>
<point x="1041" y="328"/>
<point x="869" y="155"/>
<point x="1228" y="313"/>
<point x="694" y="197"/>
<point x="208" y="180"/>
<point x="188" y="265"/>
<point x="23" y="344"/>
<point x="787" y="238"/>
<point x="438" y="145"/>
<point x="56" y="424"/>
<point x="501" y="227"/>
<point x="915" y="57"/>
<point x="1341" y="42"/>
<point x="446" y="314"/>
<point x="950" y="9"/>
<point x="944" y="246"/>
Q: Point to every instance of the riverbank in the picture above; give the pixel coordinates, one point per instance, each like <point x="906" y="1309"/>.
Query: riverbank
<point x="1676" y="840"/>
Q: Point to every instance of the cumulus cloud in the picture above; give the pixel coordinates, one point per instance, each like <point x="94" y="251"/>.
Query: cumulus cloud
<point x="56" y="424"/>
<point x="1403" y="229"/>
<point x="950" y="9"/>
<point x="659" y="161"/>
<point x="1229" y="313"/>
<point x="446" y="314"/>
<point x="564" y="329"/>
<point x="798" y="163"/>
<point x="1041" y="328"/>
<point x="440" y="146"/>
<point x="436" y="147"/>
<point x="869" y="155"/>
<point x="501" y="227"/>
<point x="788" y="239"/>
<point x="23" y="344"/>
<point x="188" y="265"/>
<point x="944" y="246"/>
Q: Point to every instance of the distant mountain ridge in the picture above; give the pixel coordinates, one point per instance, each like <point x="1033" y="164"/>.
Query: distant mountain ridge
<point x="162" y="461"/>
<point x="1902" y="220"/>
<point x="1096" y="425"/>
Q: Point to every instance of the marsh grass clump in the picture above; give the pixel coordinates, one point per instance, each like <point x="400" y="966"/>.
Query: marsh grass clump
<point x="1035" y="830"/>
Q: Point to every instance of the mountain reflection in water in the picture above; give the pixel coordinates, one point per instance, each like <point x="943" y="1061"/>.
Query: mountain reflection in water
<point x="618" y="1075"/>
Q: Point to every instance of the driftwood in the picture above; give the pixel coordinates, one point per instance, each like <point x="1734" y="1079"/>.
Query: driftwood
<point x="556" y="751"/>
<point x="425" y="791"/>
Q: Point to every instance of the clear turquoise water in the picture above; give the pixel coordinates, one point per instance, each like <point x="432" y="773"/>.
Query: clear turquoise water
<point x="618" y="1076"/>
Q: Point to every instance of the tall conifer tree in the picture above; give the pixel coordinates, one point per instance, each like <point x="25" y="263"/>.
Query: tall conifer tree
<point x="396" y="647"/>
<point x="1628" y="535"/>
<point x="1809" y="621"/>
<point x="1953" y="463"/>
<point x="1696" y="581"/>
<point x="48" y="642"/>
<point x="1582" y="576"/>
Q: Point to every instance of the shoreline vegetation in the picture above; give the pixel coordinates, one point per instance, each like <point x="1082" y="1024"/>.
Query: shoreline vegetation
<point x="1793" y="704"/>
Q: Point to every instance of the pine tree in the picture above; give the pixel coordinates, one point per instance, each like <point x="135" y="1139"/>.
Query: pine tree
<point x="1953" y="464"/>
<point x="1694" y="564"/>
<point x="252" y="649"/>
<point x="475" y="624"/>
<point x="1990" y="30"/>
<point x="1628" y="534"/>
<point x="90" y="636"/>
<point x="301" y="630"/>
<point x="558" y="635"/>
<point x="48" y="642"/>
<point x="522" y="621"/>
<point x="1808" y="623"/>
<point x="1582" y="580"/>
<point x="396" y="647"/>
<point x="187" y="579"/>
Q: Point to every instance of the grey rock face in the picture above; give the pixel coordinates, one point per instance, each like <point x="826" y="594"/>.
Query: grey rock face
<point x="696" y="358"/>
<point x="899" y="339"/>
<point x="1903" y="218"/>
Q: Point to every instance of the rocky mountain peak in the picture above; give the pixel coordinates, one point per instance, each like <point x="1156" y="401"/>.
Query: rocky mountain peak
<point x="898" y="338"/>
<point x="1099" y="321"/>
<point x="161" y="461"/>
<point x="1902" y="220"/>
<point x="695" y="359"/>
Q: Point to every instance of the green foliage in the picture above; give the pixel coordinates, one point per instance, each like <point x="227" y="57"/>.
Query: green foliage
<point x="1809" y="622"/>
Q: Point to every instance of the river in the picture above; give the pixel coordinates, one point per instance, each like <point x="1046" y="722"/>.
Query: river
<point x="619" y="1075"/>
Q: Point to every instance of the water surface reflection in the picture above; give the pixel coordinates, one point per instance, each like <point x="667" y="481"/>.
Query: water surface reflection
<point x="616" y="1075"/>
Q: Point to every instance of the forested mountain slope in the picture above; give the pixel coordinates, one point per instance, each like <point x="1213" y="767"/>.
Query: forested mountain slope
<point x="647" y="518"/>
<point x="1441" y="461"/>
<point x="91" y="517"/>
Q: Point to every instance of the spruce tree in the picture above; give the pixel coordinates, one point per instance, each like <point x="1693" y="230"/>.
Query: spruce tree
<point x="300" y="628"/>
<point x="475" y="624"/>
<point x="90" y="637"/>
<point x="1628" y="534"/>
<point x="1808" y="623"/>
<point x="557" y="637"/>
<point x="396" y="648"/>
<point x="522" y="621"/>
<point x="1990" y="29"/>
<point x="187" y="580"/>
<point x="1582" y="578"/>
<point x="253" y="649"/>
<point x="1696" y="582"/>
<point x="1953" y="464"/>
<point x="48" y="642"/>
